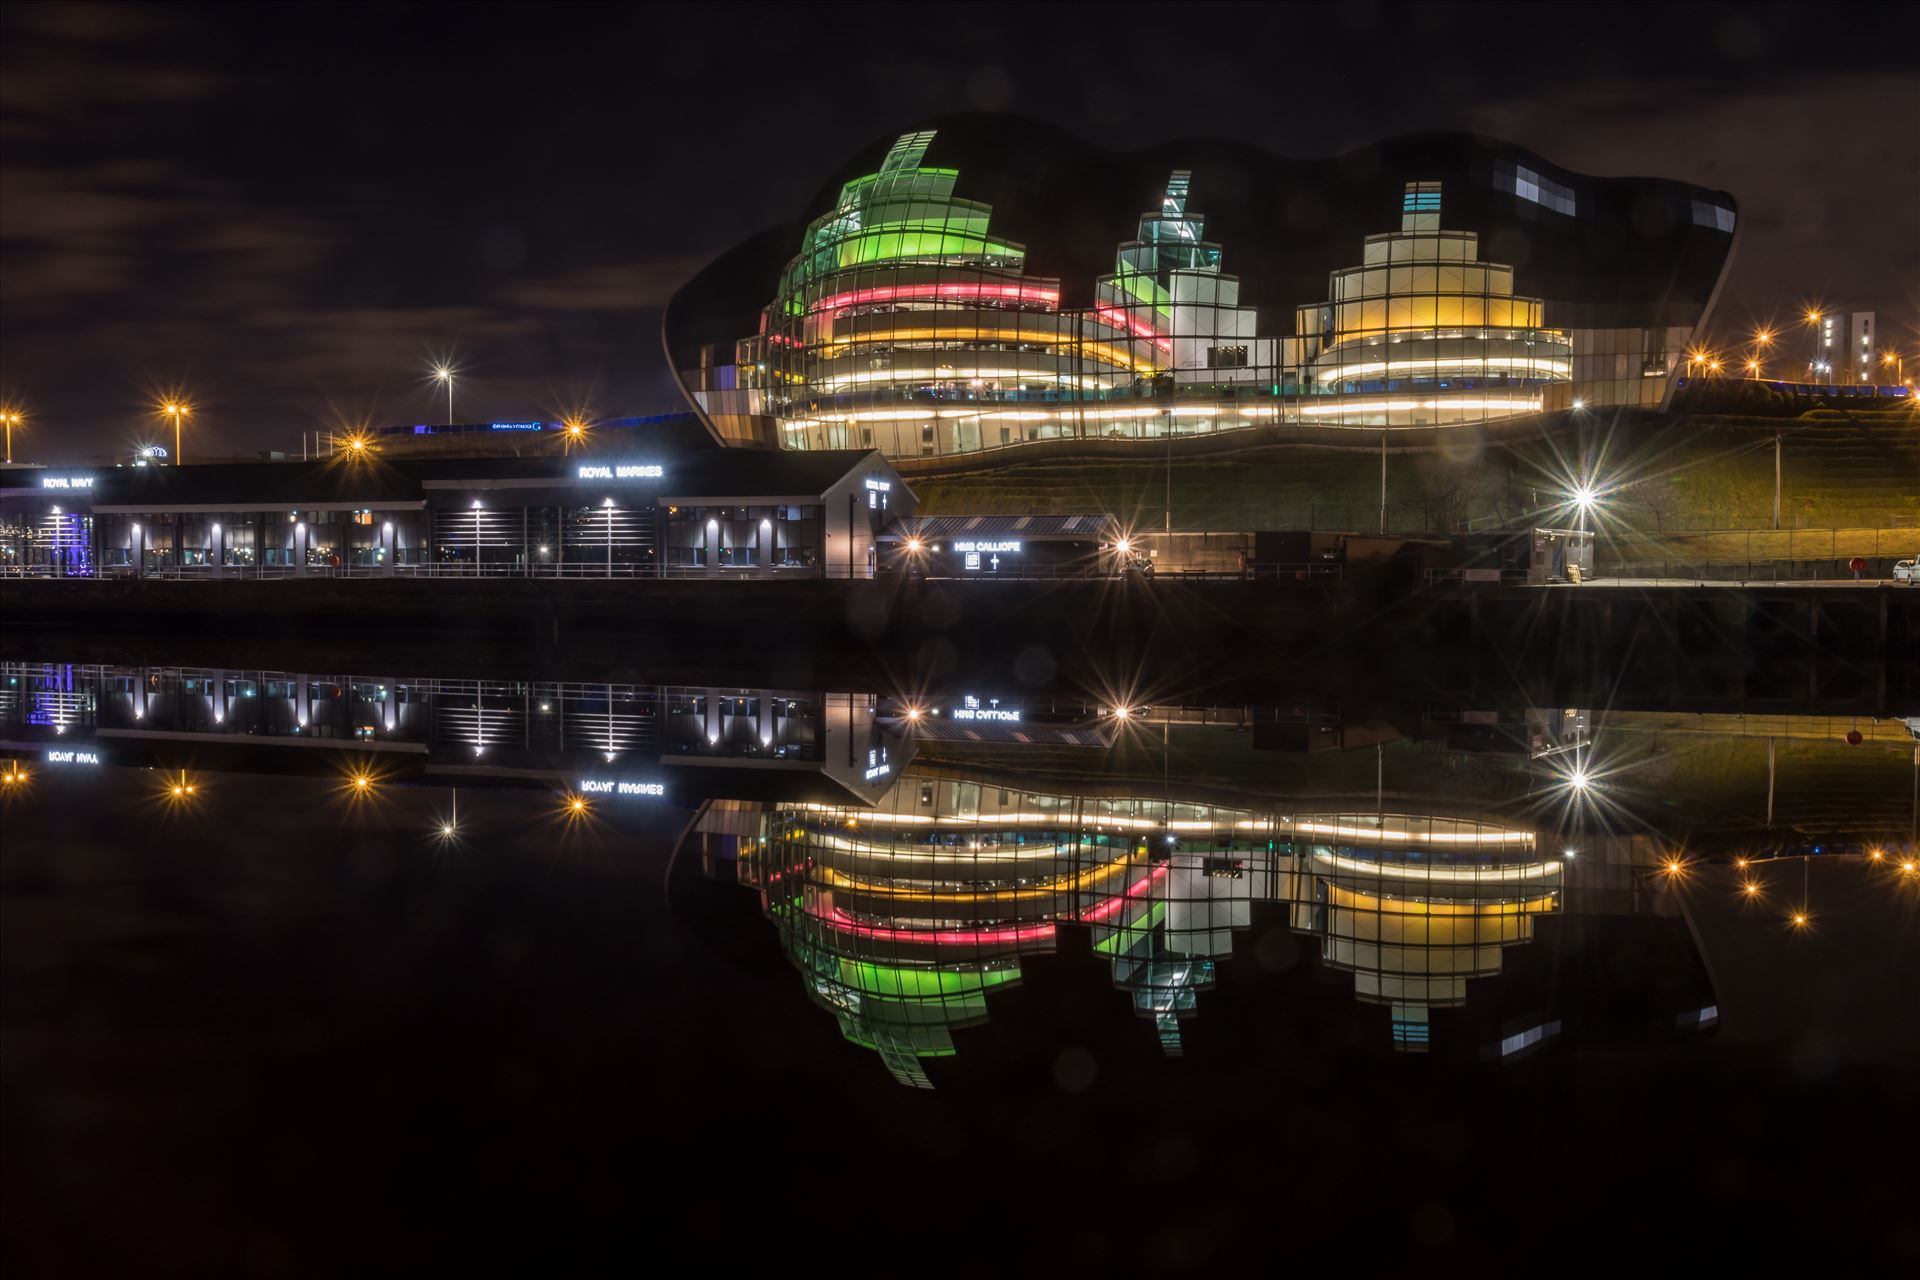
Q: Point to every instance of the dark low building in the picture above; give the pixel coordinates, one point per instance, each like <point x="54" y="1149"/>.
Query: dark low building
<point x="641" y="512"/>
<point x="1001" y="546"/>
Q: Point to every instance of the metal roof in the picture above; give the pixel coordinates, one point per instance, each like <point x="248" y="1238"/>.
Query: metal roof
<point x="713" y="472"/>
<point x="1030" y="528"/>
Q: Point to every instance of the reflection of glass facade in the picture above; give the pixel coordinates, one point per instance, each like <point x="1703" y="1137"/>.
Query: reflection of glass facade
<point x="901" y="918"/>
<point x="912" y="319"/>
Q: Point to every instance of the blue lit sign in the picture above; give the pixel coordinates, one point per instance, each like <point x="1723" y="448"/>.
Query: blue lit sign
<point x="514" y="426"/>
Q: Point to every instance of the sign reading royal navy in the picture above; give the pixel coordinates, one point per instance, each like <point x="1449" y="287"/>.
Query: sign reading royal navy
<point x="66" y="482"/>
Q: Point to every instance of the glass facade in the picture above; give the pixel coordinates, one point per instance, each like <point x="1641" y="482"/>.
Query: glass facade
<point x="910" y="320"/>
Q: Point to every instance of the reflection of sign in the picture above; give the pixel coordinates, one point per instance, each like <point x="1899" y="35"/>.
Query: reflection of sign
<point x="621" y="471"/>
<point x="73" y="757"/>
<point x="613" y="787"/>
<point x="513" y="426"/>
<point x="987" y="546"/>
<point x="972" y="710"/>
<point x="877" y="766"/>
<point x="66" y="482"/>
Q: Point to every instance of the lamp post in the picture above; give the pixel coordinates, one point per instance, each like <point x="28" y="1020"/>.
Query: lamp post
<point x="12" y="419"/>
<point x="444" y="373"/>
<point x="607" y="506"/>
<point x="176" y="409"/>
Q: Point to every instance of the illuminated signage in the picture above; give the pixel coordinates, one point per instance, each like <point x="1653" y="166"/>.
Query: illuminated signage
<point x="621" y="471"/>
<point x="880" y="486"/>
<point x="73" y="757"/>
<point x="972" y="710"/>
<point x="613" y="787"/>
<point x="66" y="482"/>
<point x="987" y="546"/>
<point x="877" y="766"/>
<point x="514" y="426"/>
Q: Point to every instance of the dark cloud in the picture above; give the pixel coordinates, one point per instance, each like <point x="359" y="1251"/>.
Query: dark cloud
<point x="289" y="207"/>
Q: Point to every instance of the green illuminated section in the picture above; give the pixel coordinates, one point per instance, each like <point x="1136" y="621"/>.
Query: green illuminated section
<point x="892" y="983"/>
<point x="903" y="213"/>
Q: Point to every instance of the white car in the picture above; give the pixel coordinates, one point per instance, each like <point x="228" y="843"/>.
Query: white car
<point x="1907" y="570"/>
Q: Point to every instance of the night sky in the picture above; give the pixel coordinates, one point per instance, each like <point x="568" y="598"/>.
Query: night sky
<point x="288" y="210"/>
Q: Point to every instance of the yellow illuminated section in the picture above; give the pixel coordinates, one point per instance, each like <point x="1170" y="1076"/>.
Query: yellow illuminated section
<point x="1106" y="352"/>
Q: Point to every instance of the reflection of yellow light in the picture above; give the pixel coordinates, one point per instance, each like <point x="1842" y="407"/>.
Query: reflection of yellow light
<point x="1048" y="888"/>
<point x="1442" y="874"/>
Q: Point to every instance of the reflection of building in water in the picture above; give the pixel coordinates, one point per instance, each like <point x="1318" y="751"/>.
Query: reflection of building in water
<point x="902" y="918"/>
<point x="1415" y="907"/>
<point x="595" y="737"/>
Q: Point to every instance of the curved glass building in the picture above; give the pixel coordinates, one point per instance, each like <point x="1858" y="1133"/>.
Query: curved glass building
<point x="991" y="283"/>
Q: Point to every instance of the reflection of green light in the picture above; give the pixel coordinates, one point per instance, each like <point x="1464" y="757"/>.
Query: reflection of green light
<point x="896" y="983"/>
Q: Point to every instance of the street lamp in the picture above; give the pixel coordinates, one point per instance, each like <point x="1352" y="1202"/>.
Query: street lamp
<point x="444" y="373"/>
<point x="176" y="409"/>
<point x="12" y="418"/>
<point x="606" y="504"/>
<point x="1585" y="498"/>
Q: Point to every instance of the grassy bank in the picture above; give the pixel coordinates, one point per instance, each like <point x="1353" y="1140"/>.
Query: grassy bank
<point x="1852" y="470"/>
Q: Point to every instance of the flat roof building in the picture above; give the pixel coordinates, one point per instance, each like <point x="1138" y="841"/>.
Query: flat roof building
<point x="638" y="512"/>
